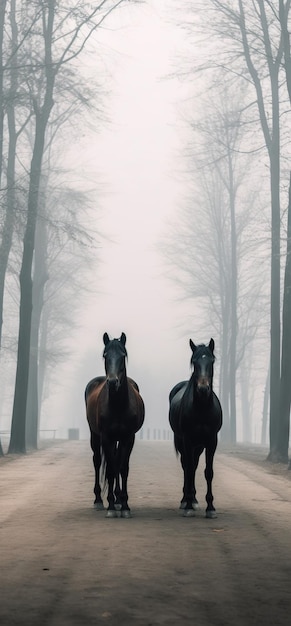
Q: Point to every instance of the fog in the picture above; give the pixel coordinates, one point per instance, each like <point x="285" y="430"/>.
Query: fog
<point x="157" y="165"/>
<point x="138" y="159"/>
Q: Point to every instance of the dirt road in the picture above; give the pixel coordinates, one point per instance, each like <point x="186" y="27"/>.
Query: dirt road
<point x="63" y="563"/>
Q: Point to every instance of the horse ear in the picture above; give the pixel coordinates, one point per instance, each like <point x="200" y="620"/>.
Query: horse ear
<point x="192" y="345"/>
<point x="211" y="345"/>
<point x="105" y="339"/>
<point x="123" y="338"/>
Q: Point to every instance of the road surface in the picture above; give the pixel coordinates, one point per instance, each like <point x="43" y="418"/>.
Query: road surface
<point x="65" y="564"/>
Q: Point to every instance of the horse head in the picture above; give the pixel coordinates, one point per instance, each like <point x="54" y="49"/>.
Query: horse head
<point x="114" y="355"/>
<point x="202" y="361"/>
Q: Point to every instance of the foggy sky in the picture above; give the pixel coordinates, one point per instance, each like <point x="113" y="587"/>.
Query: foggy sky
<point x="138" y="159"/>
<point x="137" y="163"/>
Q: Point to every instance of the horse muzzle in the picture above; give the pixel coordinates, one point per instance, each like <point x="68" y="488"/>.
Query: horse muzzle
<point x="203" y="387"/>
<point x="113" y="383"/>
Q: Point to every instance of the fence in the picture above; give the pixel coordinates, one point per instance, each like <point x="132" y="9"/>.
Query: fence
<point x="155" y="434"/>
<point x="146" y="434"/>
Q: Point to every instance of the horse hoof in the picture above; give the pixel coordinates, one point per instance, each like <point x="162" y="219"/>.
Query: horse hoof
<point x="195" y="505"/>
<point x="117" y="506"/>
<point x="125" y="514"/>
<point x="111" y="513"/>
<point x="211" y="514"/>
<point x="189" y="513"/>
<point x="98" y="506"/>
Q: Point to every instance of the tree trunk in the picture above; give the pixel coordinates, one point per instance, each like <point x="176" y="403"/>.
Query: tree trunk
<point x="31" y="425"/>
<point x="285" y="388"/>
<point x="17" y="441"/>
<point x="245" y="405"/>
<point x="18" y="428"/>
<point x="39" y="279"/>
<point x="42" y="365"/>
<point x="224" y="382"/>
<point x="274" y="155"/>
<point x="2" y="22"/>
<point x="265" y="409"/>
<point x="233" y="309"/>
<point x="272" y="140"/>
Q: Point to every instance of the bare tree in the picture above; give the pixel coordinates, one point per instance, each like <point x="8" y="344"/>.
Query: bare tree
<point x="214" y="243"/>
<point x="252" y="40"/>
<point x="56" y="39"/>
<point x="63" y="252"/>
<point x="2" y="22"/>
<point x="285" y="395"/>
<point x="282" y="443"/>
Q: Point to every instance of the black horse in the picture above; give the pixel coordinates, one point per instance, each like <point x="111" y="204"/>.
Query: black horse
<point x="196" y="417"/>
<point x="115" y="412"/>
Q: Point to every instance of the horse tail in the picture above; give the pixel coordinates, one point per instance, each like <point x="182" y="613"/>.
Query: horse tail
<point x="177" y="444"/>
<point x="103" y="470"/>
<point x="104" y="467"/>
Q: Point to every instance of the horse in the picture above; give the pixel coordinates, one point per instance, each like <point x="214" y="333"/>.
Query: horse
<point x="195" y="416"/>
<point x="115" y="412"/>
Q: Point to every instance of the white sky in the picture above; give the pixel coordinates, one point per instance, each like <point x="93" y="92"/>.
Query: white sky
<point x="139" y="161"/>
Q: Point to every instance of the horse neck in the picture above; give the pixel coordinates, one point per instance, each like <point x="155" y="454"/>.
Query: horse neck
<point x="198" y="398"/>
<point x="120" y="397"/>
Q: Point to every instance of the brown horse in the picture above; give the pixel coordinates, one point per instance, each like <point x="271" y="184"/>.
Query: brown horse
<point x="115" y="412"/>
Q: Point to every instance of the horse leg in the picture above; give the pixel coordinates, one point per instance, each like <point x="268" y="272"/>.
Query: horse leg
<point x="178" y="442"/>
<point x="125" y="452"/>
<point x="195" y="505"/>
<point x="179" y="447"/>
<point x="183" y="501"/>
<point x="95" y="445"/>
<point x="188" y="467"/>
<point x="208" y="473"/>
<point x="184" y="497"/>
<point x="117" y="489"/>
<point x="196" y="456"/>
<point x="109" y="449"/>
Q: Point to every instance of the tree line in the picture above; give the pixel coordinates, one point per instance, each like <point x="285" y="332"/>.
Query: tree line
<point x="229" y="249"/>
<point x="43" y="242"/>
<point x="234" y="254"/>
